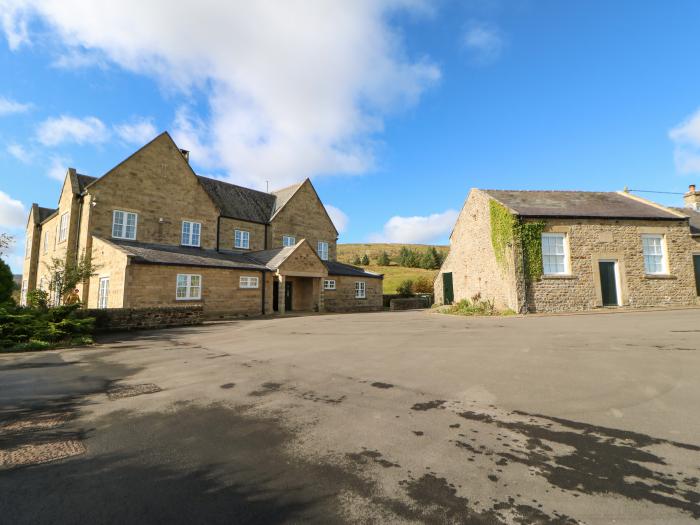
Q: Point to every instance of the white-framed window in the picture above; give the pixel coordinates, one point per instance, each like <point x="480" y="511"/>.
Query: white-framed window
<point x="323" y="250"/>
<point x="329" y="284"/>
<point x="23" y="293"/>
<point x="288" y="240"/>
<point x="554" y="254"/>
<point x="248" y="282"/>
<point x="360" y="290"/>
<point x="63" y="228"/>
<point x="654" y="258"/>
<point x="124" y="224"/>
<point x="241" y="239"/>
<point x="189" y="287"/>
<point x="191" y="233"/>
<point x="103" y="293"/>
<point x="46" y="242"/>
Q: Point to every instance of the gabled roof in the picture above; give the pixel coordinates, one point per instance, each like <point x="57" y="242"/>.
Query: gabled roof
<point x="581" y="204"/>
<point x="45" y="213"/>
<point x="273" y="258"/>
<point x="238" y="202"/>
<point x="84" y="180"/>
<point x="283" y="195"/>
<point x="338" y="268"/>
<point x="149" y="253"/>
<point x="694" y="219"/>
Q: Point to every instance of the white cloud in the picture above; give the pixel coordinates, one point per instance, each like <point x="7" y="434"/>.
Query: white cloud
<point x="339" y="218"/>
<point x="417" y="229"/>
<point x="12" y="212"/>
<point x="8" y="107"/>
<point x="294" y="88"/>
<point x="19" y="152"/>
<point x="57" y="130"/>
<point x="58" y="168"/>
<point x="138" y="131"/>
<point x="686" y="139"/>
<point x="483" y="41"/>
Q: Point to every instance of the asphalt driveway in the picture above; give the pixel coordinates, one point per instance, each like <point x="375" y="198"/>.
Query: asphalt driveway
<point x="366" y="418"/>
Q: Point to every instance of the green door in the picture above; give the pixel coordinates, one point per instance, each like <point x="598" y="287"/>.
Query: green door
<point x="696" y="265"/>
<point x="448" y="294"/>
<point x="608" y="283"/>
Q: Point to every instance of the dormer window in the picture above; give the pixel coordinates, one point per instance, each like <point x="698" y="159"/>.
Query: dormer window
<point x="241" y="239"/>
<point x="191" y="233"/>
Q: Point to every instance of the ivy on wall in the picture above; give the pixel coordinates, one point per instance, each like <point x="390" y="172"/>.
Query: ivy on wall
<point x="506" y="229"/>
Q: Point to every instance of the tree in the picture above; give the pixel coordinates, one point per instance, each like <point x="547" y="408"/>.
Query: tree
<point x="383" y="259"/>
<point x="405" y="288"/>
<point x="430" y="260"/>
<point x="356" y="261"/>
<point x="365" y="260"/>
<point x="66" y="276"/>
<point x="7" y="282"/>
<point x="6" y="241"/>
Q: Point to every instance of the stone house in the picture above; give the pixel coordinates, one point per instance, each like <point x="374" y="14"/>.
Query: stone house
<point x="556" y="251"/>
<point x="160" y="235"/>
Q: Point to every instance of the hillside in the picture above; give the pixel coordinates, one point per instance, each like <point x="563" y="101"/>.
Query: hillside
<point x="348" y="252"/>
<point x="394" y="275"/>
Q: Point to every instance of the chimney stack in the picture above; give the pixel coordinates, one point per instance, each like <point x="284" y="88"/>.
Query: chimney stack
<point x="692" y="198"/>
<point x="186" y="154"/>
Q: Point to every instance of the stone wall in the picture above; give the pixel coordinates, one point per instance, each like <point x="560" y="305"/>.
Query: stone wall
<point x="406" y="303"/>
<point x="304" y="217"/>
<point x="227" y="227"/>
<point x="110" y="262"/>
<point x="118" y="319"/>
<point x="149" y="285"/>
<point x="342" y="299"/>
<point x="472" y="261"/>
<point x="592" y="240"/>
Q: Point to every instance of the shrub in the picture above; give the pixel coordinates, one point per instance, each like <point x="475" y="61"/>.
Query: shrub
<point x="405" y="288"/>
<point x="38" y="299"/>
<point x="423" y="285"/>
<point x="7" y="282"/>
<point x="383" y="259"/>
<point x="357" y="261"/>
<point x="475" y="306"/>
<point x="365" y="260"/>
<point x="36" y="329"/>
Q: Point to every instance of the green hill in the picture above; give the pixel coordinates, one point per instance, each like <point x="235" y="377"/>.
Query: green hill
<point x="348" y="252"/>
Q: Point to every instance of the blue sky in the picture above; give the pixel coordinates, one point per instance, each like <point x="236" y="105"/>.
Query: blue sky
<point x="394" y="108"/>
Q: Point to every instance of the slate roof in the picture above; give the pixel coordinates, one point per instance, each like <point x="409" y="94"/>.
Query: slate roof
<point x="238" y="202"/>
<point x="45" y="213"/>
<point x="338" y="268"/>
<point x="272" y="258"/>
<point x="283" y="195"/>
<point x="579" y="204"/>
<point x="694" y="219"/>
<point x="148" y="253"/>
<point x="84" y="180"/>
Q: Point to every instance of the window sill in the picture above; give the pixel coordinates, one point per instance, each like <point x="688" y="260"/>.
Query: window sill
<point x="556" y="276"/>
<point x="187" y="299"/>
<point x="661" y="276"/>
<point x="190" y="245"/>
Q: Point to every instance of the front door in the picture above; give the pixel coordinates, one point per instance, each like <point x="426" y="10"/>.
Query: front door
<point x="608" y="283"/>
<point x="276" y="295"/>
<point x="288" y="296"/>
<point x="696" y="265"/>
<point x="448" y="295"/>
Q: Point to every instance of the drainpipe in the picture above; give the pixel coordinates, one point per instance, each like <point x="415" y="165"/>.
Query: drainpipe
<point x="263" y="277"/>
<point x="266" y="236"/>
<point x="218" y="226"/>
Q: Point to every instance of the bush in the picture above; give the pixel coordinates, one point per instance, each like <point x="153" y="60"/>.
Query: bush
<point x="405" y="288"/>
<point x="38" y="299"/>
<point x="37" y="329"/>
<point x="475" y="306"/>
<point x="7" y="283"/>
<point x="365" y="260"/>
<point x="423" y="285"/>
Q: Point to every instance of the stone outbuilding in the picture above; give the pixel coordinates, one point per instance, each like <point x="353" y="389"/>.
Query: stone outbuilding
<point x="558" y="251"/>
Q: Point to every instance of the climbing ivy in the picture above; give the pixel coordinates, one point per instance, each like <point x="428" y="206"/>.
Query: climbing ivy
<point x="502" y="230"/>
<point x="530" y="235"/>
<point x="506" y="229"/>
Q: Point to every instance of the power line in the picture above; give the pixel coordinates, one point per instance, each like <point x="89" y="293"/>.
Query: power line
<point x="652" y="191"/>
